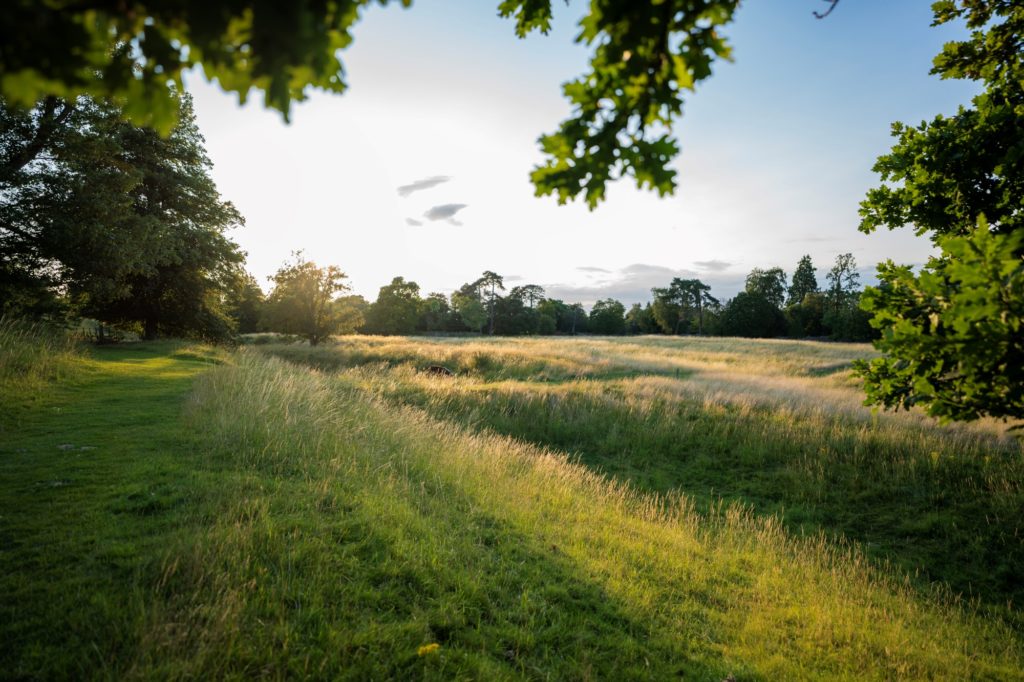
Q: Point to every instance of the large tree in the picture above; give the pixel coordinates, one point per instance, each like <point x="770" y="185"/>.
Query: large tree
<point x="959" y="179"/>
<point x="122" y="222"/>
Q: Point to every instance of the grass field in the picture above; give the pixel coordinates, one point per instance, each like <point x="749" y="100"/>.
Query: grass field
<point x="562" y="509"/>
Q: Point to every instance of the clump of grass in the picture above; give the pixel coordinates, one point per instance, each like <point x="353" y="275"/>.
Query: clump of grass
<point x="33" y="353"/>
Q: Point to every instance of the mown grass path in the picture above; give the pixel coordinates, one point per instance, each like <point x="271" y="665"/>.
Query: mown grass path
<point x="97" y="475"/>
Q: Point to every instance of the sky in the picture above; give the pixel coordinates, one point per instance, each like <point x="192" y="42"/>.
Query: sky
<point x="421" y="169"/>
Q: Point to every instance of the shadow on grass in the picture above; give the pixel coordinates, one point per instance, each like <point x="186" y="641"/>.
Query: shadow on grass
<point x="936" y="516"/>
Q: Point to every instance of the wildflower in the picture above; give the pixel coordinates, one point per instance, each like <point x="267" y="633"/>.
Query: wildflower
<point x="428" y="649"/>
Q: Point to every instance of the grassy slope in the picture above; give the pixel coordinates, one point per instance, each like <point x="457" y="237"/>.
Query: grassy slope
<point x="772" y="424"/>
<point x="287" y="524"/>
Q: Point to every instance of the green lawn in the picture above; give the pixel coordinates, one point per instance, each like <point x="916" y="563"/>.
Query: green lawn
<point x="98" y="478"/>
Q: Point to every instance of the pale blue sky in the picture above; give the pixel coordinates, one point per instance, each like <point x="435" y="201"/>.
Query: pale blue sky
<point x="777" y="151"/>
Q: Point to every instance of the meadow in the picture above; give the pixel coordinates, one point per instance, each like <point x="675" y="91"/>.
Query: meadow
<point x="570" y="508"/>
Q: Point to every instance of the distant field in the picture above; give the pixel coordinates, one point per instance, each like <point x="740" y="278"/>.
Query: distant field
<point x="571" y="508"/>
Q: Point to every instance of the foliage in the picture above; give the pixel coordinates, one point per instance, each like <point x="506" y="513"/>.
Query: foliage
<point x="941" y="176"/>
<point x="435" y="313"/>
<point x="608" y="316"/>
<point x="123" y="224"/>
<point x="305" y="301"/>
<point x="769" y="284"/>
<point x="954" y="177"/>
<point x="396" y="310"/>
<point x="681" y="305"/>
<point x="807" y="318"/>
<point x="640" y="320"/>
<point x="645" y="57"/>
<point x="531" y="294"/>
<point x="488" y="286"/>
<point x="135" y="52"/>
<point x="953" y="334"/>
<point x="468" y="307"/>
<point x="245" y="303"/>
<point x="804" y="282"/>
<point x="752" y="315"/>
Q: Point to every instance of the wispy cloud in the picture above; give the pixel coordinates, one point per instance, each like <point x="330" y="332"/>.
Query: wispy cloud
<point x="413" y="222"/>
<point x="713" y="265"/>
<point x="591" y="268"/>
<point x="425" y="183"/>
<point x="444" y="212"/>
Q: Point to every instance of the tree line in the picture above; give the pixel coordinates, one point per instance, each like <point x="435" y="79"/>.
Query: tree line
<point x="312" y="301"/>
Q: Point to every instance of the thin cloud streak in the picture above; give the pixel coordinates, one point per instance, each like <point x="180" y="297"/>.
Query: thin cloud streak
<point x="713" y="265"/>
<point x="444" y="212"/>
<point x="425" y="183"/>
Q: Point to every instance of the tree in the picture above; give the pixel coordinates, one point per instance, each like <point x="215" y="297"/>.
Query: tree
<point x="489" y="283"/>
<point x="529" y="293"/>
<point x="608" y="316"/>
<point x="435" y="313"/>
<point x="804" y="282"/>
<point x="770" y="284"/>
<point x="752" y="315"/>
<point x="953" y="334"/>
<point x="695" y="294"/>
<point x="468" y="307"/>
<point x="645" y="57"/>
<point x="245" y="302"/>
<point x="959" y="178"/>
<point x="305" y="301"/>
<point x="807" y="318"/>
<point x="576" y="318"/>
<point x="666" y="310"/>
<point x="680" y="304"/>
<point x="640" y="320"/>
<point x="396" y="310"/>
<point x="121" y="223"/>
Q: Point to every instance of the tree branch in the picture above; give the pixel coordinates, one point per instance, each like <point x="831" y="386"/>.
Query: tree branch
<point x="48" y="123"/>
<point x="832" y="6"/>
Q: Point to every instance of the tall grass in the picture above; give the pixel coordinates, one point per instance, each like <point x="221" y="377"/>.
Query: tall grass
<point x="369" y="529"/>
<point x="776" y="425"/>
<point x="33" y="353"/>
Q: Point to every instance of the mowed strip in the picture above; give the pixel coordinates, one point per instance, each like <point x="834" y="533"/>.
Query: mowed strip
<point x="97" y="475"/>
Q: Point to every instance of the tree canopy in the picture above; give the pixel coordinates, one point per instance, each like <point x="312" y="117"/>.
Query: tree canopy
<point x="961" y="179"/>
<point x="306" y="301"/>
<point x="645" y="57"/>
<point x="126" y="225"/>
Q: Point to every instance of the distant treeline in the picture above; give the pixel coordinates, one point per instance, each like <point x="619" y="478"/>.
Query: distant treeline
<point x="772" y="305"/>
<point x="106" y="221"/>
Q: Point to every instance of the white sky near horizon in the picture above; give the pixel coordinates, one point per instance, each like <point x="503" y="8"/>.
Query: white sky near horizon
<point x="777" y="151"/>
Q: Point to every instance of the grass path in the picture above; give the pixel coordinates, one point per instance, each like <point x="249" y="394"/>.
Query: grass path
<point x="95" y="473"/>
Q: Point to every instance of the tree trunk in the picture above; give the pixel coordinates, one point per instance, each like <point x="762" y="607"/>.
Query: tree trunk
<point x="149" y="329"/>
